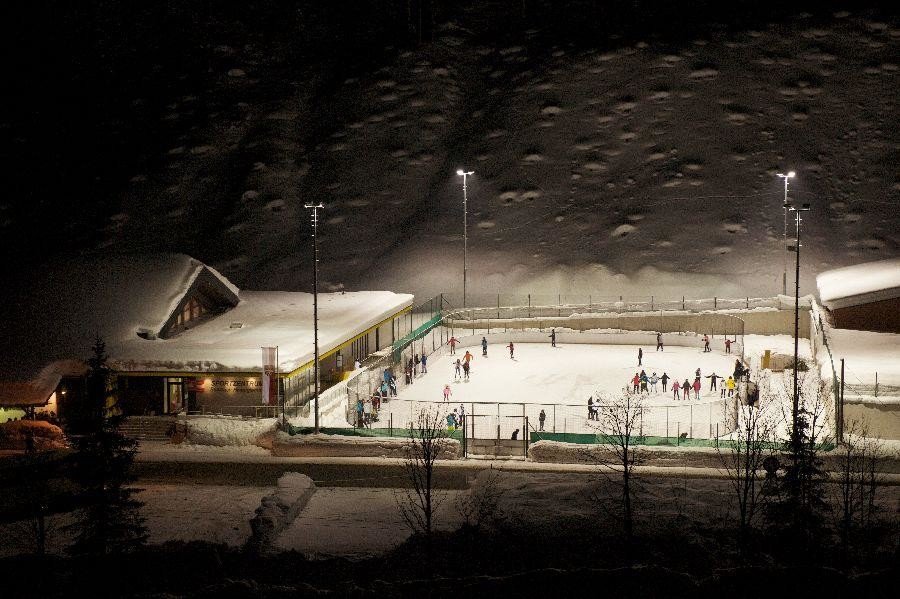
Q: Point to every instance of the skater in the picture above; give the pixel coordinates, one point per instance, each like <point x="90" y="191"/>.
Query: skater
<point x="462" y="417"/>
<point x="457" y="369"/>
<point x="636" y="382"/>
<point x="541" y="418"/>
<point x="511" y="350"/>
<point x="644" y="381"/>
<point x="552" y="337"/>
<point x="408" y="372"/>
<point x="386" y="375"/>
<point x="727" y="345"/>
<point x="483" y="346"/>
<point x="385" y="389"/>
<point x="697" y="387"/>
<point x="393" y="386"/>
<point x="675" y="388"/>
<point x="640" y="355"/>
<point x="424" y="364"/>
<point x="466" y="370"/>
<point x="591" y="408"/>
<point x="452" y="343"/>
<point x="712" y="381"/>
<point x="447" y="393"/>
<point x="467" y="357"/>
<point x="706" y="343"/>
<point x="653" y="381"/>
<point x="665" y="380"/>
<point x="367" y="414"/>
<point x="730" y="384"/>
<point x="416" y="365"/>
<point x="659" y="342"/>
<point x="686" y="390"/>
<point x="451" y="421"/>
<point x="738" y="370"/>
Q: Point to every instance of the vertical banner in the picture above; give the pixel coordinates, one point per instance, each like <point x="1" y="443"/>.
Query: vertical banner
<point x="269" y="378"/>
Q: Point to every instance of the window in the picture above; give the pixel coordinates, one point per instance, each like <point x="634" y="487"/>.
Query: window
<point x="192" y="310"/>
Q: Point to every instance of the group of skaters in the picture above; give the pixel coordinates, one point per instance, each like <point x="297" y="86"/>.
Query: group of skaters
<point x="642" y="383"/>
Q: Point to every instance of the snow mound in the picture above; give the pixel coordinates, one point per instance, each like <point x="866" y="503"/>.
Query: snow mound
<point x="223" y="431"/>
<point x="345" y="446"/>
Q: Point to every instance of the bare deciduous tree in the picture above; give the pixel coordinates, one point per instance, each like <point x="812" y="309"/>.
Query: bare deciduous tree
<point x="482" y="504"/>
<point x="742" y="458"/>
<point x="858" y="480"/>
<point x="428" y="439"/>
<point x="618" y="427"/>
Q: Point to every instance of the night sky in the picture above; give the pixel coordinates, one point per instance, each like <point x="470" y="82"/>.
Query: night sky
<point x="147" y="126"/>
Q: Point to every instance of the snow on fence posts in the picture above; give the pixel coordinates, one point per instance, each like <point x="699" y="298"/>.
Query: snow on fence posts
<point x="818" y="343"/>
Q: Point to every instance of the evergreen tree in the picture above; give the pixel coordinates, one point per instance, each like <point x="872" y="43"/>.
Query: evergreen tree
<point x="110" y="521"/>
<point x="798" y="514"/>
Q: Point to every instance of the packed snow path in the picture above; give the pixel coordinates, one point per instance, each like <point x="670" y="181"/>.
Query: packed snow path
<point x="559" y="380"/>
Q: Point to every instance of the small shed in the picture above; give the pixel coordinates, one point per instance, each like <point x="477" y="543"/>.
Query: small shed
<point x="864" y="297"/>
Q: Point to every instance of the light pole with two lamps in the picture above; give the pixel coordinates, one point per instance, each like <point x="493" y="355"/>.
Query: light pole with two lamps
<point x="795" y="433"/>
<point x="465" y="174"/>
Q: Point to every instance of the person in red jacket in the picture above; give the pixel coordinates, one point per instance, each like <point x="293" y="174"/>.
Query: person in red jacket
<point x="675" y="387"/>
<point x="636" y="381"/>
<point x="697" y="386"/>
<point x="452" y="343"/>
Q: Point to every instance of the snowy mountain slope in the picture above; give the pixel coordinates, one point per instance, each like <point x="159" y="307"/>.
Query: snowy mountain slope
<point x="638" y="167"/>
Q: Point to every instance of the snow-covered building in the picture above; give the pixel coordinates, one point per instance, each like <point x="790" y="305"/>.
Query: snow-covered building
<point x="179" y="334"/>
<point x="864" y="297"/>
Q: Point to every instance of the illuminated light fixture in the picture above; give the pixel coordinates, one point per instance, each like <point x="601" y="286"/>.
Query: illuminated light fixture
<point x="784" y="246"/>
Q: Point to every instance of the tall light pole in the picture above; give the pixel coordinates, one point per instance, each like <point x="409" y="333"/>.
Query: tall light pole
<point x="464" y="175"/>
<point x="795" y="434"/>
<point x="315" y="222"/>
<point x="790" y="175"/>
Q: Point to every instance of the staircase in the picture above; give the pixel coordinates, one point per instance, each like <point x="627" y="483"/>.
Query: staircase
<point x="147" y="428"/>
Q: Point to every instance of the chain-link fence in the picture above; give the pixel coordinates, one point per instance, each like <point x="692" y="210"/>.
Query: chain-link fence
<point x="493" y="420"/>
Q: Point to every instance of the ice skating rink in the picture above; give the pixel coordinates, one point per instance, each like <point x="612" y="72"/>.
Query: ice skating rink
<point x="559" y="380"/>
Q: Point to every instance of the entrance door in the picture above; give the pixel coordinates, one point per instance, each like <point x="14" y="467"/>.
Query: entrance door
<point x="174" y="395"/>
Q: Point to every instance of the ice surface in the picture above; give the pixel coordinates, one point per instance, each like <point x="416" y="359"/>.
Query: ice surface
<point x="559" y="380"/>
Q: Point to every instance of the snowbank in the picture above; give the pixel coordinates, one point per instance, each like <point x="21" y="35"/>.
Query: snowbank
<point x="225" y="431"/>
<point x="278" y="510"/>
<point x="340" y="446"/>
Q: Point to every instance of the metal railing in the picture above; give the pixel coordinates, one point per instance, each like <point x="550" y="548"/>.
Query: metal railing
<point x="547" y="305"/>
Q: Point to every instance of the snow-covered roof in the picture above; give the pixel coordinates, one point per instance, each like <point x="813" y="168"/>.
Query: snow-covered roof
<point x="860" y="284"/>
<point x="55" y="314"/>
<point x="267" y="318"/>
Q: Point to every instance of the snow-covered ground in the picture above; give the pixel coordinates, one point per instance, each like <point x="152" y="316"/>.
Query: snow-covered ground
<point x="866" y="353"/>
<point x="560" y="380"/>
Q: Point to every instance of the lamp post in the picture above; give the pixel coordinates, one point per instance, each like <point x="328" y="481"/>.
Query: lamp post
<point x="315" y="222"/>
<point x="790" y="175"/>
<point x="795" y="433"/>
<point x="464" y="175"/>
